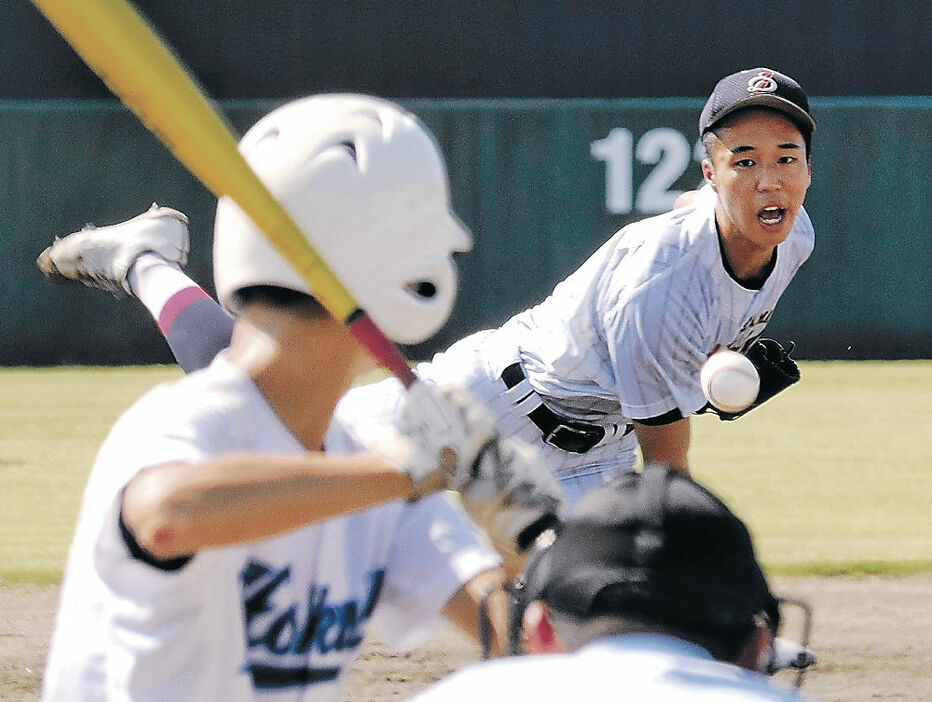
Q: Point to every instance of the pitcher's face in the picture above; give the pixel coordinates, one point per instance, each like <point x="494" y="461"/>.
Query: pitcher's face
<point x="759" y="169"/>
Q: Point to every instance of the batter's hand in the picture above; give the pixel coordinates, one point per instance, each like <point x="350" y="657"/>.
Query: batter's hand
<point x="447" y="439"/>
<point x="512" y="496"/>
<point x="442" y="432"/>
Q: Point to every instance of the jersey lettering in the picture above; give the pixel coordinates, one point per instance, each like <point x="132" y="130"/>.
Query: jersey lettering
<point x="291" y="629"/>
<point x="761" y="318"/>
<point x="750" y="331"/>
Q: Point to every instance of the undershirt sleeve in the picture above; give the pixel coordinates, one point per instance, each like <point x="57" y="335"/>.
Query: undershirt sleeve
<point x="197" y="330"/>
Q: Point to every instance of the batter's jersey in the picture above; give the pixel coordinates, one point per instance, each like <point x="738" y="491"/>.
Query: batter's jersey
<point x="641" y="667"/>
<point x="279" y="619"/>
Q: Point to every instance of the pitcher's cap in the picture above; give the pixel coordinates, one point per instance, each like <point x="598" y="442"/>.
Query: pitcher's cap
<point x="757" y="87"/>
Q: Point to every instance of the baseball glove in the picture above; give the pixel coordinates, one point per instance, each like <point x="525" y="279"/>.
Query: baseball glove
<point x="776" y="369"/>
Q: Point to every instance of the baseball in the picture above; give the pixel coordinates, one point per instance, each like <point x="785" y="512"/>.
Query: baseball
<point x="729" y="381"/>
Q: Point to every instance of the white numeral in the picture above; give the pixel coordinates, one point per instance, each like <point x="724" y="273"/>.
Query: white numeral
<point x="615" y="150"/>
<point x="664" y="148"/>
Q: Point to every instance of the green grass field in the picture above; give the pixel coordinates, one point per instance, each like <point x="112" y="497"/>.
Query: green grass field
<point x="833" y="476"/>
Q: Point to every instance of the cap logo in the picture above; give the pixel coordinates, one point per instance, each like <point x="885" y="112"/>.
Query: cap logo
<point x="763" y="82"/>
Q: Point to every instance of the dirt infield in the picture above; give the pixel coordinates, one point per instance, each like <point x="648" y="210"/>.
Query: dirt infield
<point x="873" y="637"/>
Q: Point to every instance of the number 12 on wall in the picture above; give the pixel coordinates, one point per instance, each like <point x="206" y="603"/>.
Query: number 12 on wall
<point x="666" y="149"/>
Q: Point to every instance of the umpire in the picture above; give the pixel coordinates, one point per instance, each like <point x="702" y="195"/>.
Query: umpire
<point x="650" y="591"/>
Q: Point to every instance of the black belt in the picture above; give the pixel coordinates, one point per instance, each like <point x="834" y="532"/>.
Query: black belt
<point x="563" y="433"/>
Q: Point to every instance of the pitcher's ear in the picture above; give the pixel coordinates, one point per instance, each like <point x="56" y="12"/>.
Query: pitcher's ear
<point x="708" y="172"/>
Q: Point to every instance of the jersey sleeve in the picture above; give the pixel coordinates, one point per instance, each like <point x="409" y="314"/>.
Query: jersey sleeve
<point x="801" y="239"/>
<point x="368" y="413"/>
<point x="436" y="550"/>
<point x="653" y="322"/>
<point x="132" y="446"/>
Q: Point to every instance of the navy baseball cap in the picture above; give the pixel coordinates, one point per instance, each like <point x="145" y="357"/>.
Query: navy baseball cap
<point x="757" y="87"/>
<point x="655" y="546"/>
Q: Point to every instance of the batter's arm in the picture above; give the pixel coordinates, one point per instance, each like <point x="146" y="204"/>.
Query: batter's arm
<point x="462" y="610"/>
<point x="665" y="443"/>
<point x="178" y="509"/>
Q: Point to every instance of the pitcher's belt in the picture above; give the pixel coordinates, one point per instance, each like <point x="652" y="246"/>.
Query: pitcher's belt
<point x="557" y="431"/>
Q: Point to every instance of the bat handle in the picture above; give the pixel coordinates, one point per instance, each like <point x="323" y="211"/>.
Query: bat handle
<point x="384" y="351"/>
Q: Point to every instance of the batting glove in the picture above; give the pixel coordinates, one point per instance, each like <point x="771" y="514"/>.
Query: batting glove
<point x="448" y="440"/>
<point x="512" y="495"/>
<point x="441" y="433"/>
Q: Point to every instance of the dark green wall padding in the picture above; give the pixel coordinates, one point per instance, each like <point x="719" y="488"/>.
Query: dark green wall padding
<point x="541" y="183"/>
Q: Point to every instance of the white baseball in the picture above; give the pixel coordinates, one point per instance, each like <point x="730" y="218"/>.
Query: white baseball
<point x="729" y="381"/>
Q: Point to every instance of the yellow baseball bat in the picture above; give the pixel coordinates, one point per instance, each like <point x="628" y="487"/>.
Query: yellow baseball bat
<point x="120" y="46"/>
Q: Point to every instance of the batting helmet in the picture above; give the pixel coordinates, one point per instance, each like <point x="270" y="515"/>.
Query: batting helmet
<point x="366" y="183"/>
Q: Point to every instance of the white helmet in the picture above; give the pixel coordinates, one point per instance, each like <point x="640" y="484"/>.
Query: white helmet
<point x="366" y="183"/>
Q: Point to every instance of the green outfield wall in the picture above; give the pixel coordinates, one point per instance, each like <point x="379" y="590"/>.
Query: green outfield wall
<point x="540" y="182"/>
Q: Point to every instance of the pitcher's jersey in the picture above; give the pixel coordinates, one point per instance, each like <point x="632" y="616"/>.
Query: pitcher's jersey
<point x="278" y="619"/>
<point x="622" y="338"/>
<point x="636" y="667"/>
<point x="625" y="336"/>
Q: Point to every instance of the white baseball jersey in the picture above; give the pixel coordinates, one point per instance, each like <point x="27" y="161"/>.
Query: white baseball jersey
<point x="622" y="338"/>
<point x="279" y="619"/>
<point x="641" y="667"/>
<point x="625" y="336"/>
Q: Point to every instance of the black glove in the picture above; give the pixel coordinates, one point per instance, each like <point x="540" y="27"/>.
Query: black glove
<point x="776" y="369"/>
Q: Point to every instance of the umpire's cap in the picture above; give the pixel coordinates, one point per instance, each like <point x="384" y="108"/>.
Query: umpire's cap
<point x="757" y="87"/>
<point x="656" y="546"/>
